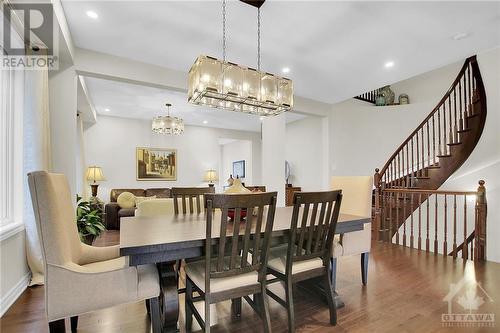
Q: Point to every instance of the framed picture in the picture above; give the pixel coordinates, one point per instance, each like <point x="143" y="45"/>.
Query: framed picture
<point x="156" y="163"/>
<point x="239" y="169"/>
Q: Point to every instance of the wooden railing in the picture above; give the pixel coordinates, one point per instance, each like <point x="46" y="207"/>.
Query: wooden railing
<point x="448" y="222"/>
<point x="440" y="130"/>
<point x="369" y="96"/>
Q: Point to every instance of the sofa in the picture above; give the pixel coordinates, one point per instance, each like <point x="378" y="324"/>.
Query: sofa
<point x="114" y="212"/>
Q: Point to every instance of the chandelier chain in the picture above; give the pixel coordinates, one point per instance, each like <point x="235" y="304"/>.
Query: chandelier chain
<point x="224" y="30"/>
<point x="258" y="39"/>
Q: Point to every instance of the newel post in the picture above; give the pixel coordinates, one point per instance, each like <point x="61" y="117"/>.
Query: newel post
<point x="480" y="231"/>
<point x="376" y="182"/>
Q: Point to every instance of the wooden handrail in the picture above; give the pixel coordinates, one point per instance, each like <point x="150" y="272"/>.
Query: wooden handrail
<point x="409" y="190"/>
<point x="434" y="217"/>
<point x="424" y="122"/>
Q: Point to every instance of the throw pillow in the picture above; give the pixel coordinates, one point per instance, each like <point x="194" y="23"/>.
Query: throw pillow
<point x="126" y="200"/>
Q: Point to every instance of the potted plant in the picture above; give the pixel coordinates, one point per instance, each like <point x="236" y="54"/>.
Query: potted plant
<point x="88" y="221"/>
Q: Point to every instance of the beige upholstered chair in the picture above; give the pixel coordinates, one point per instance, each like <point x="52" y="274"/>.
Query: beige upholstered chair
<point x="357" y="200"/>
<point x="80" y="278"/>
<point x="155" y="207"/>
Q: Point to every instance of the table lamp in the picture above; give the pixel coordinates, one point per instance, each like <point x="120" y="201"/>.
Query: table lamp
<point x="210" y="177"/>
<point x="94" y="175"/>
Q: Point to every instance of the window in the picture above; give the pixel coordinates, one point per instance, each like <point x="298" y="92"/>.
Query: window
<point x="11" y="148"/>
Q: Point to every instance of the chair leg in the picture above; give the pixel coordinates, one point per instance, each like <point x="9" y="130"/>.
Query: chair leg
<point x="364" y="267"/>
<point x="264" y="308"/>
<point x="330" y="298"/>
<point x="148" y="308"/>
<point x="236" y="307"/>
<point x="155" y="314"/>
<point x="289" y="304"/>
<point x="333" y="273"/>
<point x="207" y="313"/>
<point x="57" y="326"/>
<point x="74" y="323"/>
<point x="189" y="298"/>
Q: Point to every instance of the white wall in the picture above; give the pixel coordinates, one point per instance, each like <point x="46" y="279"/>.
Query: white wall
<point x="363" y="136"/>
<point x="237" y="151"/>
<point x="305" y="151"/>
<point x="273" y="155"/>
<point x="63" y="140"/>
<point x="112" y="141"/>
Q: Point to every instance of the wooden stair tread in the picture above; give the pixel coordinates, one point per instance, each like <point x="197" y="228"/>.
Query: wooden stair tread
<point x="464" y="130"/>
<point x="472" y="115"/>
<point x="441" y="156"/>
<point x="454" y="143"/>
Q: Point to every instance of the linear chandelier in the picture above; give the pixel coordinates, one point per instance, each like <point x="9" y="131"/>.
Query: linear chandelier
<point x="225" y="85"/>
<point x="167" y="124"/>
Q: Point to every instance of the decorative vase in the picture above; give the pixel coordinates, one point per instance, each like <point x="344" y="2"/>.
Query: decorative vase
<point x="388" y="95"/>
<point x="236" y="188"/>
<point x="380" y="100"/>
<point x="404" y="99"/>
<point x="230" y="180"/>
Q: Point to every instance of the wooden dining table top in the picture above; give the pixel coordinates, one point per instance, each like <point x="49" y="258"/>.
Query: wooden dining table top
<point x="176" y="231"/>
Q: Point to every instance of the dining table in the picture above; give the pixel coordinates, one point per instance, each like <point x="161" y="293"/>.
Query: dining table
<point x="166" y="239"/>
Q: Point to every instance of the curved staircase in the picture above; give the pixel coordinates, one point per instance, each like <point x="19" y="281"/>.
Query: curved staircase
<point x="432" y="152"/>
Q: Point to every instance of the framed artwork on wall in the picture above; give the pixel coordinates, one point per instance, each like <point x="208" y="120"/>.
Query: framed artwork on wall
<point x="239" y="169"/>
<point x="156" y="163"/>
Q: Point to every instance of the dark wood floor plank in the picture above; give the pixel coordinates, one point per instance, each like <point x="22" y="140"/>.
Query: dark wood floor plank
<point x="404" y="293"/>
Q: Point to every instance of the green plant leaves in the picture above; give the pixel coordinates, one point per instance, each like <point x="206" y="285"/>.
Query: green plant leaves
<point x="88" y="218"/>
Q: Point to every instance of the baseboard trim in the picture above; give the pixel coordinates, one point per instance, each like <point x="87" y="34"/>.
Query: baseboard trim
<point x="14" y="293"/>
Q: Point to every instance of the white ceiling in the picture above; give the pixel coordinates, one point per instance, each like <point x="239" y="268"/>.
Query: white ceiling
<point x="335" y="50"/>
<point x="140" y="102"/>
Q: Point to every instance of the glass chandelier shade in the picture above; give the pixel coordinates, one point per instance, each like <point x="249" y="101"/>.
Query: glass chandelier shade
<point x="167" y="124"/>
<point x="229" y="86"/>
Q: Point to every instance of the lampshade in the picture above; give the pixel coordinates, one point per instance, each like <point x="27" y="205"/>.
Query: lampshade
<point x="210" y="176"/>
<point x="94" y="173"/>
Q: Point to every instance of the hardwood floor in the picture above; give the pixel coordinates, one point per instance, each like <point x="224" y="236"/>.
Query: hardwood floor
<point x="405" y="293"/>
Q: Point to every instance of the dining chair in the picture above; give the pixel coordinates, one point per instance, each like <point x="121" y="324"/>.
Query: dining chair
<point x="307" y="254"/>
<point x="155" y="207"/>
<point x="227" y="272"/>
<point x="80" y="278"/>
<point x="357" y="200"/>
<point x="189" y="196"/>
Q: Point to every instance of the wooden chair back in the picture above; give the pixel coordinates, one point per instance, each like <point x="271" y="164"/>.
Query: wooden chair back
<point x="237" y="237"/>
<point x="314" y="220"/>
<point x="190" y="196"/>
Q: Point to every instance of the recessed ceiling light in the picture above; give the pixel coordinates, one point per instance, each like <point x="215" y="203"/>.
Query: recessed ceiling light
<point x="92" y="14"/>
<point x="107" y="109"/>
<point x="205" y="121"/>
<point x="285" y="70"/>
<point x="262" y="118"/>
<point x="460" y="35"/>
<point x="389" y="64"/>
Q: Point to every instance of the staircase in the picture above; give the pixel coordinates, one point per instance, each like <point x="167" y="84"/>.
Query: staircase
<point x="431" y="153"/>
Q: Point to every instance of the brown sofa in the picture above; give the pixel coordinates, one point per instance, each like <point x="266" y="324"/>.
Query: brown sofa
<point x="113" y="210"/>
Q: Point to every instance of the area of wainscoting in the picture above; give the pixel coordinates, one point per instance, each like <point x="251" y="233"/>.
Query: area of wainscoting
<point x="15" y="272"/>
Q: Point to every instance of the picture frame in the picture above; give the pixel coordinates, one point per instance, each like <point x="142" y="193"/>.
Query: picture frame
<point x="157" y="164"/>
<point x="239" y="169"/>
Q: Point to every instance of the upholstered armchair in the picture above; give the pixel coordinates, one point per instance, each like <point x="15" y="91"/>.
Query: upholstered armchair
<point x="80" y="278"/>
<point x="356" y="200"/>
